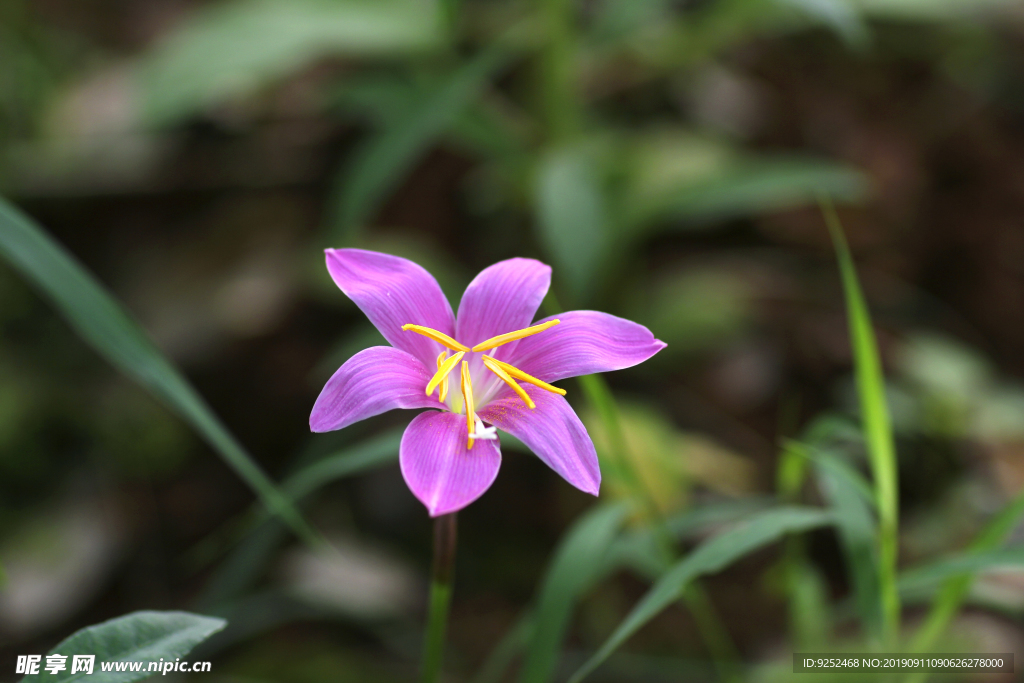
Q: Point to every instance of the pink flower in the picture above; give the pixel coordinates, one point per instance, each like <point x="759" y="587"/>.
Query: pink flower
<point x="503" y="369"/>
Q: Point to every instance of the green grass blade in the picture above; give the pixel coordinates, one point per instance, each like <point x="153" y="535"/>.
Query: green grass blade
<point x="877" y="426"/>
<point x="710" y="557"/>
<point x="849" y="496"/>
<point x="383" y="161"/>
<point x="105" y="325"/>
<point x="917" y="579"/>
<point x="576" y="564"/>
<point x="953" y="593"/>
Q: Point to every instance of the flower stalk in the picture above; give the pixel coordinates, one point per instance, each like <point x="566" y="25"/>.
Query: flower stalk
<point x="445" y="536"/>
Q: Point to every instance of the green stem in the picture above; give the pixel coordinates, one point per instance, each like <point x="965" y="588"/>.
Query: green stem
<point x="440" y="596"/>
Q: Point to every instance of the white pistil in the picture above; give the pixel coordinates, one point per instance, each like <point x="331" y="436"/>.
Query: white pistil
<point x="486" y="433"/>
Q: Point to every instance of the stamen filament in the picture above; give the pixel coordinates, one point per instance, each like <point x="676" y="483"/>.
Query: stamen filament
<point x="444" y="382"/>
<point x="519" y="374"/>
<point x="443" y="370"/>
<point x="467" y="393"/>
<point x="491" y="365"/>
<point x="440" y="337"/>
<point x="511" y="336"/>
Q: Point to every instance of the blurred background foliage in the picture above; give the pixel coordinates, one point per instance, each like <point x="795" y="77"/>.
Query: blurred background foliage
<point x="665" y="157"/>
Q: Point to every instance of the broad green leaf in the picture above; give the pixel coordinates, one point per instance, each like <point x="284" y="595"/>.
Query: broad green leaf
<point x="709" y="557"/>
<point x="232" y="49"/>
<point x="136" y="637"/>
<point x="876" y="425"/>
<point x="115" y="335"/>
<point x="576" y="564"/>
<point x="385" y="158"/>
<point x="572" y="216"/>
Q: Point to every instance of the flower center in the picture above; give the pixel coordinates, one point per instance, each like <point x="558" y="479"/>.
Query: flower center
<point x="503" y="371"/>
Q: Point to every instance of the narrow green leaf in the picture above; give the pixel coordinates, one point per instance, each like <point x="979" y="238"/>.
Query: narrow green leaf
<point x="383" y="161"/>
<point x="709" y="557"/>
<point x="115" y="335"/>
<point x="497" y="663"/>
<point x="919" y="578"/>
<point x="876" y="424"/>
<point x="135" y="637"/>
<point x="572" y="216"/>
<point x="851" y="499"/>
<point x="576" y="564"/>
<point x="953" y="593"/>
<point x="232" y="49"/>
<point x="726" y="187"/>
<point x="260" y="536"/>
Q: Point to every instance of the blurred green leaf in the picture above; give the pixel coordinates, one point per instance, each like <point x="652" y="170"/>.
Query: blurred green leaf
<point x="692" y="309"/>
<point x="684" y="180"/>
<point x="139" y="636"/>
<point x="572" y="217"/>
<point x="841" y="15"/>
<point x="954" y="591"/>
<point x="917" y="579"/>
<point x="709" y="557"/>
<point x="234" y="48"/>
<point x="934" y="10"/>
<point x="850" y="497"/>
<point x="110" y="330"/>
<point x="497" y="663"/>
<point x="383" y="161"/>
<point x="876" y="425"/>
<point x="576" y="564"/>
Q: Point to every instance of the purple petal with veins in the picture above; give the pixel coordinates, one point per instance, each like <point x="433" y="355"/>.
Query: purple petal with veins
<point x="392" y="292"/>
<point x="371" y="382"/>
<point x="439" y="468"/>
<point x="552" y="431"/>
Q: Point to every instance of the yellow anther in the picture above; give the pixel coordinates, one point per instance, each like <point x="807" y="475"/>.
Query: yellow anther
<point x="467" y="393"/>
<point x="512" y="336"/>
<point x="444" y="382"/>
<point x="440" y="337"/>
<point x="443" y="370"/>
<point x="493" y="367"/>
<point x="529" y="379"/>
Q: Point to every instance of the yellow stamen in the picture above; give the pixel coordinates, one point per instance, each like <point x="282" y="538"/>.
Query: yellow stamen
<point x="444" y="382"/>
<point x="512" y="336"/>
<point x="442" y="371"/>
<point x="440" y="337"/>
<point x="467" y="393"/>
<point x="519" y="374"/>
<point x="503" y="376"/>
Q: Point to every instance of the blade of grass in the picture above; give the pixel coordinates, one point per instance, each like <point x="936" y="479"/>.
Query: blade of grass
<point x="876" y="424"/>
<point x="108" y="328"/>
<point x="966" y="564"/>
<point x="709" y="557"/>
<point x="955" y="590"/>
<point x="576" y="564"/>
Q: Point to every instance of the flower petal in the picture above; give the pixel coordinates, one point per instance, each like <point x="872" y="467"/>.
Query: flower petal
<point x="438" y="467"/>
<point x="392" y="292"/>
<point x="371" y="382"/>
<point x="502" y="298"/>
<point x="584" y="343"/>
<point x="553" y="432"/>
